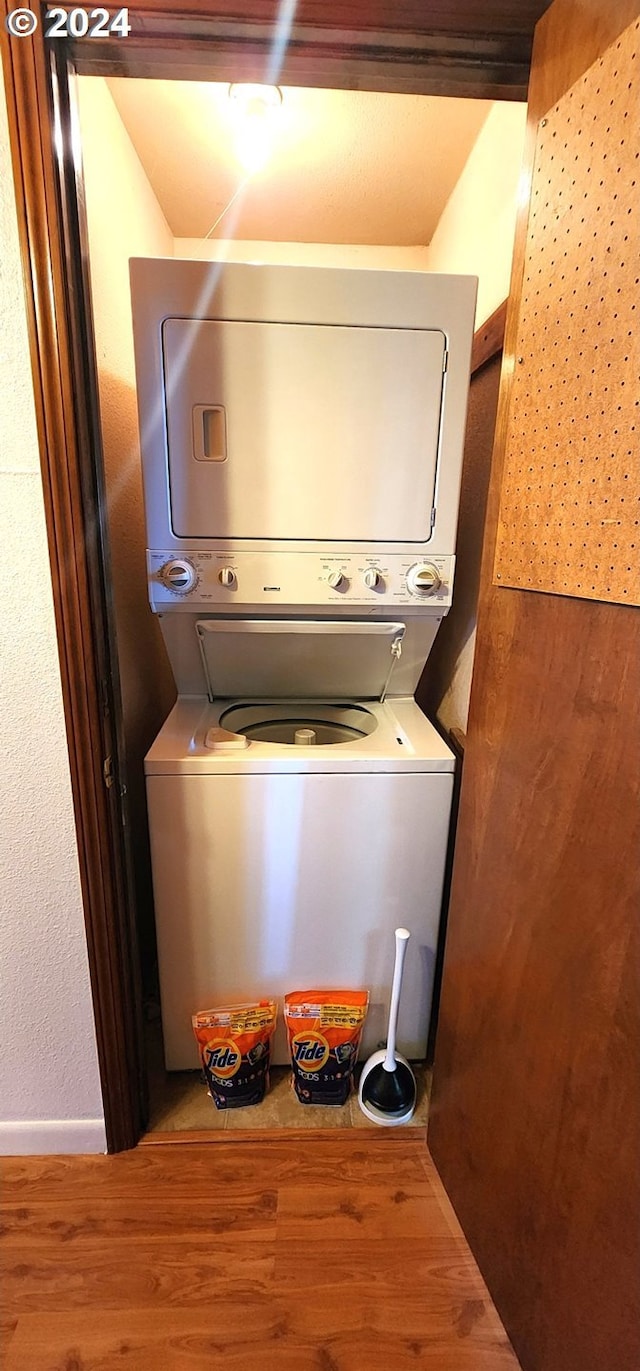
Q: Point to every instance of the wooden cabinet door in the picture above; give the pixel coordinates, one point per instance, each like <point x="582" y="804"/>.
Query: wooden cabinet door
<point x="535" y="1123"/>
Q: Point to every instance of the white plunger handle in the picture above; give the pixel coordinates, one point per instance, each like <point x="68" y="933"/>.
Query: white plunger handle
<point x="402" y="938"/>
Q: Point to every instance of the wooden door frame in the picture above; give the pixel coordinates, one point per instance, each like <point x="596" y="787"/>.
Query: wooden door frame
<point x="208" y="43"/>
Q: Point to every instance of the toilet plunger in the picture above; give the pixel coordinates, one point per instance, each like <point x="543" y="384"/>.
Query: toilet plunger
<point x="387" y="1093"/>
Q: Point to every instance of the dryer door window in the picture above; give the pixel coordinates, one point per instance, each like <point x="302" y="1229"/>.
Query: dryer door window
<point x="302" y="431"/>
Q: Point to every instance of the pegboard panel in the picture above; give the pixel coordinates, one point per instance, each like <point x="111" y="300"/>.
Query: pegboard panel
<point x="569" y="505"/>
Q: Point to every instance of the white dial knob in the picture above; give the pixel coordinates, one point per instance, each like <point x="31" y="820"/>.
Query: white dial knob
<point x="227" y="577"/>
<point x="179" y="576"/>
<point x="423" y="579"/>
<point x="372" y="578"/>
<point x="337" y="580"/>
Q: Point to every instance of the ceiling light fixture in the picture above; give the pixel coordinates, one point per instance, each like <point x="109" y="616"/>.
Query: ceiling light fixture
<point x="245" y="92"/>
<point x="255" y="116"/>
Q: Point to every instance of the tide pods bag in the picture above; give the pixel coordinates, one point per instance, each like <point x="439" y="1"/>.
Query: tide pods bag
<point x="323" y="1029"/>
<point x="235" y="1044"/>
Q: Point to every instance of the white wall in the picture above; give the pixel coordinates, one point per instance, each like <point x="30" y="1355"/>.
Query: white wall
<point x="50" y="1097"/>
<point x="476" y="230"/>
<point x="303" y="254"/>
<point x="125" y="220"/>
<point x="475" y="234"/>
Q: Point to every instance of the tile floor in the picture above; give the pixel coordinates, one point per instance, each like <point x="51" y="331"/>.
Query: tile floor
<point x="179" y="1102"/>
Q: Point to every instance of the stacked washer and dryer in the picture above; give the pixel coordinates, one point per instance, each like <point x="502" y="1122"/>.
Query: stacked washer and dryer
<point x="302" y="434"/>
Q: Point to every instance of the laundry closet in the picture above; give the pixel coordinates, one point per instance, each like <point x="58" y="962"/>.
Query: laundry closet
<point x="297" y="798"/>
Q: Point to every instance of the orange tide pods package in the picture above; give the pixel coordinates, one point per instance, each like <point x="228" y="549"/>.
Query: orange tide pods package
<point x="235" y="1044"/>
<point x="323" y="1029"/>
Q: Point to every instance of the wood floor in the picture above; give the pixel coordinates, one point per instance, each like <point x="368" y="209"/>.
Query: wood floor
<point x="340" y="1255"/>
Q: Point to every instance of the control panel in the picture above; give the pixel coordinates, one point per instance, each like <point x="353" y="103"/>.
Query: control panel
<point x="229" y="580"/>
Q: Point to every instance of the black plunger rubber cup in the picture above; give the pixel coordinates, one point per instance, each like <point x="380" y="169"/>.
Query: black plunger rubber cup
<point x="392" y="1092"/>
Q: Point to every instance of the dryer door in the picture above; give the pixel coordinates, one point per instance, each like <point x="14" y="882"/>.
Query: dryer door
<point x="302" y="431"/>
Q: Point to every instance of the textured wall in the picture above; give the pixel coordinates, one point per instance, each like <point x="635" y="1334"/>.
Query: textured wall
<point x="475" y="234"/>
<point x="50" y="1098"/>
<point x="125" y="221"/>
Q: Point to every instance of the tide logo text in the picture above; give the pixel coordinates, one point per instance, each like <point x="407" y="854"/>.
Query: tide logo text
<point x="222" y="1057"/>
<point x="310" y="1051"/>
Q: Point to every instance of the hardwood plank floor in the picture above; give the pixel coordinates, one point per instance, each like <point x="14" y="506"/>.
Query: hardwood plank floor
<point x="158" y="1219"/>
<point x="340" y="1212"/>
<point x="188" y="1169"/>
<point x="318" y="1256"/>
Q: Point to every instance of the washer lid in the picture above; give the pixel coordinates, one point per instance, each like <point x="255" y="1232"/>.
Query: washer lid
<point x="298" y="659"/>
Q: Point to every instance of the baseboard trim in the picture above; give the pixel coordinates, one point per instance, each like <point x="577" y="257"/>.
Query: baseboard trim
<point x="42" y="1137"/>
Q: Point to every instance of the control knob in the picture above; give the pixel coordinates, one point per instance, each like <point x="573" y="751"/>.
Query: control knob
<point x="337" y="580"/>
<point x="179" y="576"/>
<point x="372" y="578"/>
<point x="227" y="577"/>
<point x="423" y="579"/>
